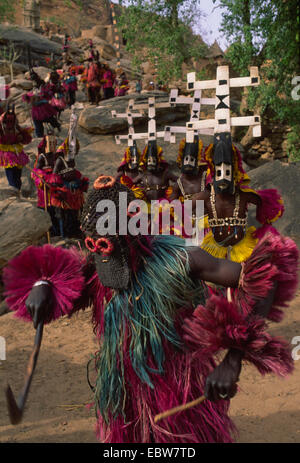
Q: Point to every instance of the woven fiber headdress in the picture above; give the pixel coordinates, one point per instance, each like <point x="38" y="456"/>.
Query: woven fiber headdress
<point x="162" y="163"/>
<point x="115" y="255"/>
<point x="201" y="159"/>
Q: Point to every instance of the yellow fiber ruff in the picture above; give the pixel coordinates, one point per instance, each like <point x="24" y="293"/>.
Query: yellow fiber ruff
<point x="239" y="252"/>
<point x="18" y="148"/>
<point x="9" y="166"/>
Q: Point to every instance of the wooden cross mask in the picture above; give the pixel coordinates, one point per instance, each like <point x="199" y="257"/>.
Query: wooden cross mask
<point x="152" y="134"/>
<point x="129" y="115"/>
<point x="196" y="101"/>
<point x="223" y="120"/>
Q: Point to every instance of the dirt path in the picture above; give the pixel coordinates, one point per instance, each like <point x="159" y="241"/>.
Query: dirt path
<point x="267" y="409"/>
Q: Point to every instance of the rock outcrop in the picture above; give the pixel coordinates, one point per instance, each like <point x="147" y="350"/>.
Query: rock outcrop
<point x="99" y="119"/>
<point x="22" y="224"/>
<point x="40" y="46"/>
<point x="270" y="146"/>
<point x="285" y="178"/>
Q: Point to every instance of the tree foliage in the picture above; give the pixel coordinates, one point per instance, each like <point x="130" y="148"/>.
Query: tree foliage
<point x="80" y="3"/>
<point x="7" y="10"/>
<point x="265" y="33"/>
<point x="160" y="31"/>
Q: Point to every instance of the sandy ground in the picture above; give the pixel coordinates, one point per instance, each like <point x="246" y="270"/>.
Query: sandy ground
<point x="267" y="409"/>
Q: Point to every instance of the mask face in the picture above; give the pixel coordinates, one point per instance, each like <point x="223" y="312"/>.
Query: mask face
<point x="113" y="270"/>
<point x="223" y="176"/>
<point x="50" y="144"/>
<point x="133" y="163"/>
<point x="72" y="152"/>
<point x="113" y="253"/>
<point x="152" y="161"/>
<point x="190" y="158"/>
<point x="223" y="163"/>
<point x="189" y="164"/>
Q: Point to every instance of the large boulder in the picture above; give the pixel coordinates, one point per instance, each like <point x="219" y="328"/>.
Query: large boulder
<point x="21" y="37"/>
<point x="285" y="178"/>
<point x="99" y="31"/>
<point x="99" y="119"/>
<point x="15" y="93"/>
<point x="22" y="224"/>
<point x="23" y="84"/>
<point x="17" y="69"/>
<point x="106" y="50"/>
<point x="126" y="65"/>
<point x="42" y="71"/>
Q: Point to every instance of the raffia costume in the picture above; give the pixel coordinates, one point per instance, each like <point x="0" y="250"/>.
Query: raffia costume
<point x="156" y="349"/>
<point x="12" y="141"/>
<point x="42" y="175"/>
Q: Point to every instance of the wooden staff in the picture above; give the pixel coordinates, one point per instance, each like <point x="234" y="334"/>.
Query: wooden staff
<point x="178" y="409"/>
<point x="46" y="210"/>
<point x="16" y="408"/>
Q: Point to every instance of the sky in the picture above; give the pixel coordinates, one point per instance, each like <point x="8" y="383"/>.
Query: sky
<point x="208" y="24"/>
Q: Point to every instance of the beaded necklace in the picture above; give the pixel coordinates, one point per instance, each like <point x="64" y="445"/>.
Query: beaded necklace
<point x="234" y="221"/>
<point x="189" y="196"/>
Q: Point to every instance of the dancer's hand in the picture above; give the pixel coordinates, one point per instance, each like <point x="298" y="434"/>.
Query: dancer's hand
<point x="221" y="382"/>
<point x="39" y="303"/>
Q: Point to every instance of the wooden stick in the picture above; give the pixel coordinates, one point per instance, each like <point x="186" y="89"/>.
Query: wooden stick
<point x="178" y="409"/>
<point x="46" y="209"/>
<point x="16" y="408"/>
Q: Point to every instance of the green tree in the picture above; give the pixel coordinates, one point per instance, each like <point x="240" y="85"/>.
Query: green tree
<point x="161" y="31"/>
<point x="7" y="10"/>
<point x="80" y="3"/>
<point x="265" y="33"/>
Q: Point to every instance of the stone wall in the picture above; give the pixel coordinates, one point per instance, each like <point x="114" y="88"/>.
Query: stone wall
<point x="270" y="147"/>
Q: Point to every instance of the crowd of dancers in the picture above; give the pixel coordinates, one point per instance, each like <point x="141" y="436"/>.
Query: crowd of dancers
<point x="161" y="310"/>
<point x="59" y="184"/>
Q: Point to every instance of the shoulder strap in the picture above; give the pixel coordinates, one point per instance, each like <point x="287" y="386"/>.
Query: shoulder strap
<point x="179" y="182"/>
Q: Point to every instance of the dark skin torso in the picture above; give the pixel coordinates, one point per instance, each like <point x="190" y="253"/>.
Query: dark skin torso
<point x="161" y="178"/>
<point x="191" y="184"/>
<point x="60" y="166"/>
<point x="225" y="204"/>
<point x="51" y="158"/>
